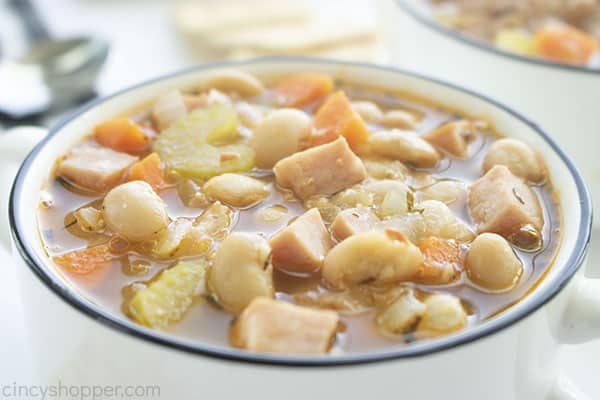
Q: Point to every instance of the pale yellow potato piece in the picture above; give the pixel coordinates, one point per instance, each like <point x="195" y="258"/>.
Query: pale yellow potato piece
<point x="405" y="146"/>
<point x="353" y="221"/>
<point x="518" y="157"/>
<point x="324" y="169"/>
<point x="134" y="211"/>
<point x="302" y="245"/>
<point x="395" y="202"/>
<point x="401" y="315"/>
<point x="492" y="264"/>
<point x="282" y="133"/>
<point x="241" y="271"/>
<point x="444" y="314"/>
<point x="236" y="190"/>
<point x="377" y="257"/>
<point x="274" y="326"/>
<point x="440" y="221"/>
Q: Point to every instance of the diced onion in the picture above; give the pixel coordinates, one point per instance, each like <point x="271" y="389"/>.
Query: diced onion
<point x="168" y="109"/>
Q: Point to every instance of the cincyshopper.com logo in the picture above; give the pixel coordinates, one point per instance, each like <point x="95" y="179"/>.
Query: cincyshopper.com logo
<point x="79" y="392"/>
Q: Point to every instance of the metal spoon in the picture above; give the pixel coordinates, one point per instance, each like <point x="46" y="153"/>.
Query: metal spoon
<point x="52" y="74"/>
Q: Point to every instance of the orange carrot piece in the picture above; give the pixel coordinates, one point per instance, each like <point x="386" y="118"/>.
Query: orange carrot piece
<point x="150" y="170"/>
<point x="441" y="261"/>
<point x="86" y="261"/>
<point x="565" y="44"/>
<point x="122" y="134"/>
<point x="336" y="117"/>
<point x="303" y="88"/>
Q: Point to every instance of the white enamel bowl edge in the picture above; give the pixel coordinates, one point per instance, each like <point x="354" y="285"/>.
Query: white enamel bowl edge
<point x="563" y="99"/>
<point x="511" y="356"/>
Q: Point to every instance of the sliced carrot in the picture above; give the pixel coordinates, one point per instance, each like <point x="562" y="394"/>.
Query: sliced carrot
<point x="336" y="117"/>
<point x="441" y="261"/>
<point x="301" y="89"/>
<point x="86" y="261"/>
<point x="122" y="134"/>
<point x="150" y="170"/>
<point x="565" y="44"/>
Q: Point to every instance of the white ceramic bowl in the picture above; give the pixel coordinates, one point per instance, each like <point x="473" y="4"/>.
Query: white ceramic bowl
<point x="77" y="342"/>
<point x="563" y="99"/>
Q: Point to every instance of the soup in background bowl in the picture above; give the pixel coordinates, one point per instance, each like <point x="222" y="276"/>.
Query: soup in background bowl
<point x="178" y="240"/>
<point x="562" y="98"/>
<point x="564" y="32"/>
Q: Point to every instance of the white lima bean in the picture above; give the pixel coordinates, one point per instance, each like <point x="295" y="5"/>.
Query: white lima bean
<point x="241" y="271"/>
<point x="518" y="157"/>
<point x="405" y="146"/>
<point x="134" y="211"/>
<point x="236" y="190"/>
<point x="492" y="264"/>
<point x="368" y="111"/>
<point x="399" y="119"/>
<point x="377" y="257"/>
<point x="280" y="134"/>
<point x="237" y="81"/>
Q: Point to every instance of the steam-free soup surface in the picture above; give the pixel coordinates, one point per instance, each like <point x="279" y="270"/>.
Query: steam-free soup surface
<point x="298" y="214"/>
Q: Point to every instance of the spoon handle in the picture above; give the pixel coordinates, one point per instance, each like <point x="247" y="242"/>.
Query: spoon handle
<point x="34" y="25"/>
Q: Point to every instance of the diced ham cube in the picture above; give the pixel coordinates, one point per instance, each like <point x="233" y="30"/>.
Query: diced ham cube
<point x="95" y="168"/>
<point x="301" y="246"/>
<point x="325" y="169"/>
<point x="352" y="221"/>
<point x="502" y="203"/>
<point x="274" y="326"/>
<point x="405" y="146"/>
<point x="452" y="137"/>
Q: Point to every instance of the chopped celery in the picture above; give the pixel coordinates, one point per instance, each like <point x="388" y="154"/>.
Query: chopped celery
<point x="189" y="147"/>
<point x="166" y="299"/>
<point x="516" y="41"/>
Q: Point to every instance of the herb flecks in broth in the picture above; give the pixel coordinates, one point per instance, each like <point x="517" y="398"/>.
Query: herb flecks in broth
<point x="314" y="213"/>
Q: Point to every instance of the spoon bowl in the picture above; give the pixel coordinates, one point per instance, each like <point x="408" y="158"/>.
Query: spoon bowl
<point x="51" y="74"/>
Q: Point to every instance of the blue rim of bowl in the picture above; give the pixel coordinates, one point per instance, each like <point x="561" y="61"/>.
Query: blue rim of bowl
<point x="482" y="45"/>
<point x="120" y="324"/>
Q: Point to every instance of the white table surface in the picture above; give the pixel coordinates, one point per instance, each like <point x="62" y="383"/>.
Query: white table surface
<point x="144" y="44"/>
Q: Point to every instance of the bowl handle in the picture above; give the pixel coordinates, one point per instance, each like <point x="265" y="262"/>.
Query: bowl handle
<point x="580" y="318"/>
<point x="579" y="322"/>
<point x="564" y="389"/>
<point x="15" y="144"/>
